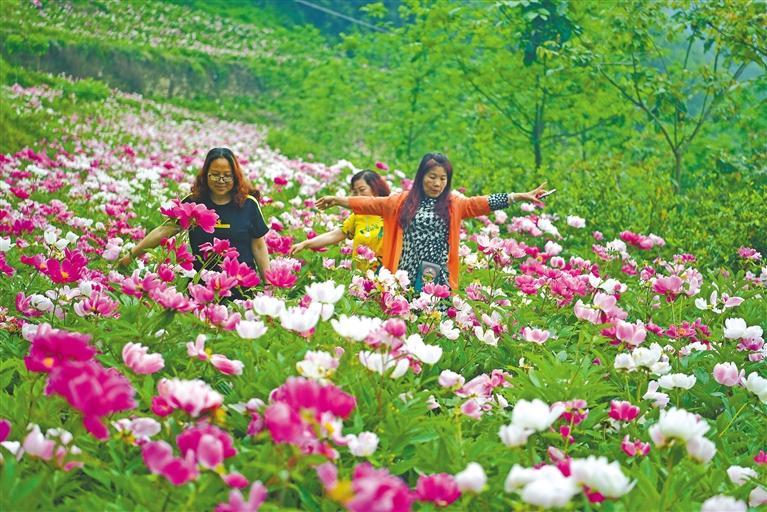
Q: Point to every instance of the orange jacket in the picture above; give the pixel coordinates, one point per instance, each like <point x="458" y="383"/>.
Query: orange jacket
<point x="388" y="208"/>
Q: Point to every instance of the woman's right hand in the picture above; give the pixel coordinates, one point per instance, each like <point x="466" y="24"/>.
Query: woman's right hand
<point x="326" y="202"/>
<point x="125" y="260"/>
<point x="296" y="248"/>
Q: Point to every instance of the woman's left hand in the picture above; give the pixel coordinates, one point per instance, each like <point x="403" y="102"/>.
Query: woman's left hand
<point x="534" y="196"/>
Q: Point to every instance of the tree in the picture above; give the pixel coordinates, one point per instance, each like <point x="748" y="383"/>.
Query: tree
<point x="678" y="91"/>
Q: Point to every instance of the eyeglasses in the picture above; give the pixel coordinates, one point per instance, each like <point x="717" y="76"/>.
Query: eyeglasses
<point x="221" y="178"/>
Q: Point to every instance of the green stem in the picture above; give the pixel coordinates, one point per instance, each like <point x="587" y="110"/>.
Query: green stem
<point x="733" y="419"/>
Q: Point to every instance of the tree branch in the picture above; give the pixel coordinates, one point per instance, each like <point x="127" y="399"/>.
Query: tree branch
<point x="492" y="100"/>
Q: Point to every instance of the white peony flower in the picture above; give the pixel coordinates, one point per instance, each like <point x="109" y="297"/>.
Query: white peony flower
<point x="536" y="415"/>
<point x="740" y="475"/>
<point x="363" y="445"/>
<point x="472" y="478"/>
<point x="486" y="336"/>
<point x="325" y="293"/>
<point x="601" y="475"/>
<point x="659" y="399"/>
<point x="722" y="503"/>
<point x="757" y="385"/>
<point x="677" y="424"/>
<point x="576" y="222"/>
<point x="514" y="435"/>
<point x="677" y="380"/>
<point x="428" y="354"/>
<point x="355" y="327"/>
<point x="450" y="379"/>
<point x="701" y="449"/>
<point x="267" y="305"/>
<point x="448" y="330"/>
<point x="381" y="363"/>
<point x="250" y="329"/>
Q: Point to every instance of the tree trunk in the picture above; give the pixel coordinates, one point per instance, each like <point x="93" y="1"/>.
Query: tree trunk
<point x="678" y="170"/>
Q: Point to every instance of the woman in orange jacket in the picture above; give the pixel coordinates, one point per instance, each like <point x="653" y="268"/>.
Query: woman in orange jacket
<point x="422" y="226"/>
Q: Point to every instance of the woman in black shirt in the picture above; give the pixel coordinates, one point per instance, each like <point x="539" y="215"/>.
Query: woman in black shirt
<point x="220" y="186"/>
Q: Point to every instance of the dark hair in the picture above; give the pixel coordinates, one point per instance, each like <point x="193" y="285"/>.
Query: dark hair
<point x="241" y="188"/>
<point x="374" y="180"/>
<point x="415" y="196"/>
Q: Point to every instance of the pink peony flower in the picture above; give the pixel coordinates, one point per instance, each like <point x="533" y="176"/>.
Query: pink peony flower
<point x="209" y="444"/>
<point x="225" y="365"/>
<point x="727" y="374"/>
<point x="281" y="273"/>
<point x="374" y="487"/>
<point x="93" y="390"/>
<point x="191" y="215"/>
<point x="245" y="276"/>
<point x="670" y="286"/>
<point x="237" y="503"/>
<point x="137" y="358"/>
<point x="191" y="396"/>
<point x="535" y="335"/>
<point x="158" y="458"/>
<point x="300" y="406"/>
<point x="634" y="448"/>
<point x="52" y="347"/>
<point x="235" y="480"/>
<point x="630" y="334"/>
<point x="440" y="489"/>
<point x="623" y="411"/>
<point x="197" y="348"/>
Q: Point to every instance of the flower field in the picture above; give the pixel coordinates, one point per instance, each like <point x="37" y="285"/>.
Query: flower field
<point x="575" y="369"/>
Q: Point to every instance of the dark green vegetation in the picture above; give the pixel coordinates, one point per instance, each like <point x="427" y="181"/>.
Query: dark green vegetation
<point x="648" y="116"/>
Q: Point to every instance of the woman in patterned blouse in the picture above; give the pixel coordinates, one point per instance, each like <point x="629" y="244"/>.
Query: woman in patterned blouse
<point x="424" y="224"/>
<point x="364" y="230"/>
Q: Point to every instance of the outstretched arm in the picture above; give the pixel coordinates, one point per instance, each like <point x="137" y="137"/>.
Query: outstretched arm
<point x="482" y="205"/>
<point x="323" y="203"/>
<point x="362" y="204"/>
<point x="150" y="241"/>
<point x="323" y="240"/>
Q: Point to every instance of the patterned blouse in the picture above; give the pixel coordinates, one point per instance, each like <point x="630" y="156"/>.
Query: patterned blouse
<point x="426" y="238"/>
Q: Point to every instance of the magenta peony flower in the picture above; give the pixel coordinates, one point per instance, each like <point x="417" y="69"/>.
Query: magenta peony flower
<point x="190" y="215"/>
<point x="300" y="406"/>
<point x="209" y="444"/>
<point x="634" y="448"/>
<point x="5" y="429"/>
<point x="242" y="273"/>
<point x="623" y="411"/>
<point x="69" y="270"/>
<point x="440" y="489"/>
<point x="375" y="487"/>
<point x="51" y="347"/>
<point x="281" y="273"/>
<point x="93" y="390"/>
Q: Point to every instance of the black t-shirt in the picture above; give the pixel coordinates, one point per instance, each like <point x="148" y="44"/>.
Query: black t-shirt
<point x="237" y="224"/>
